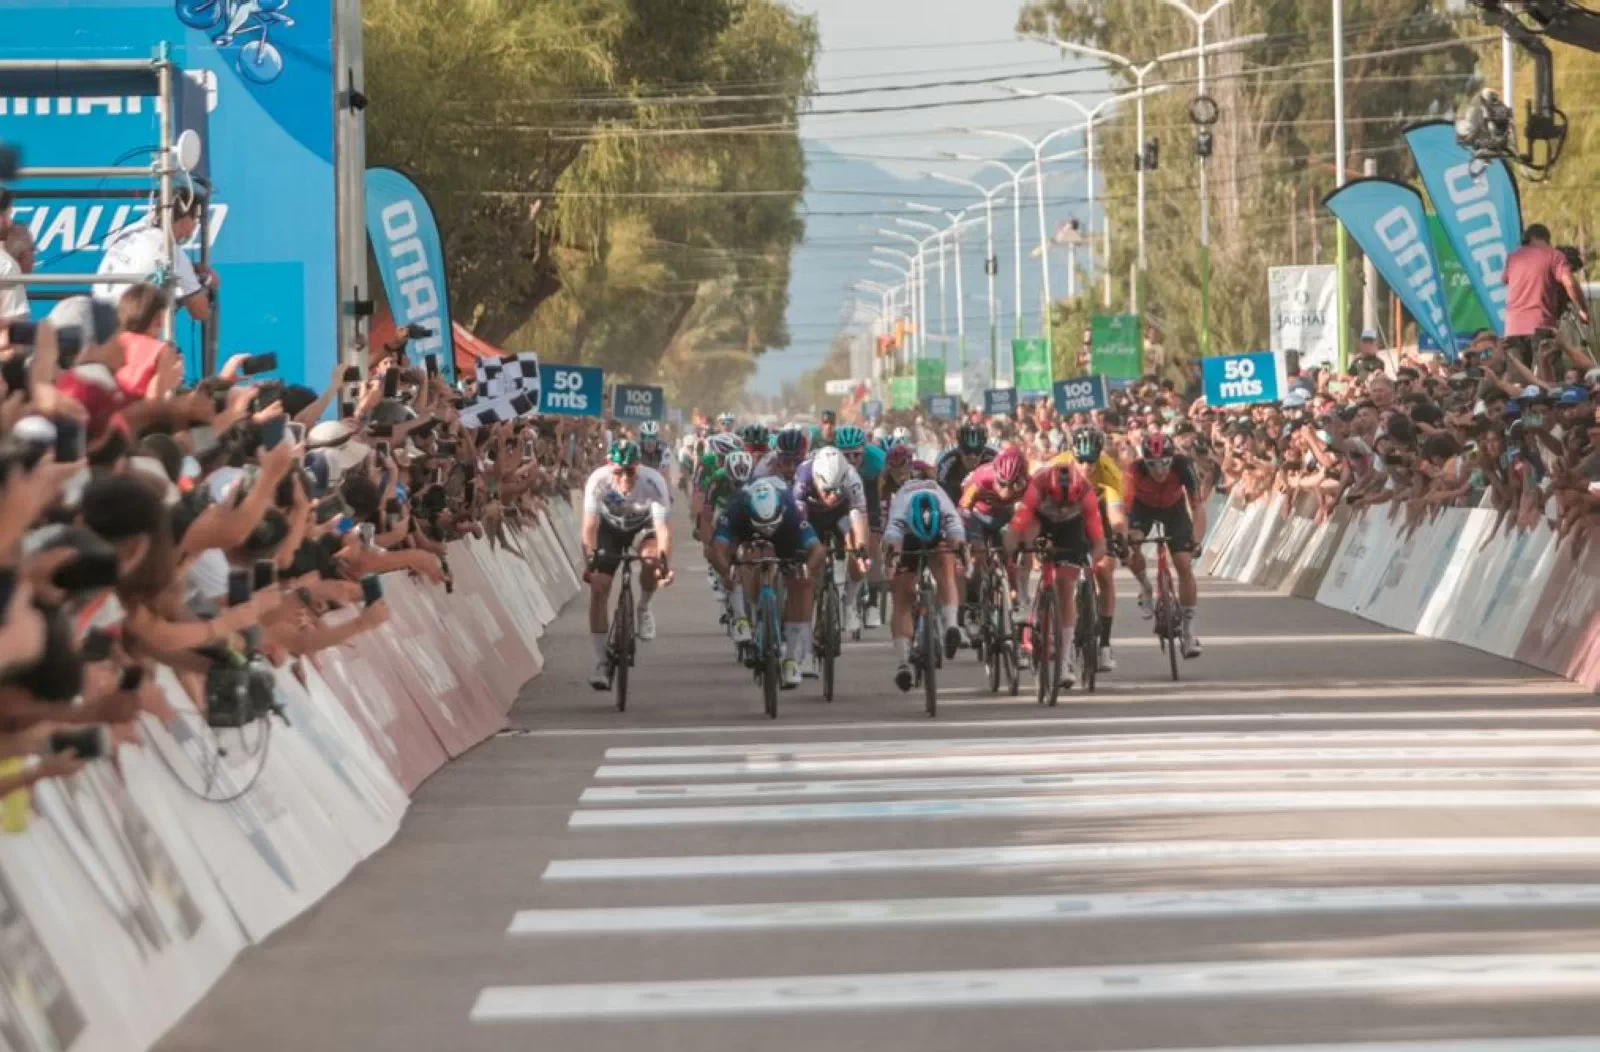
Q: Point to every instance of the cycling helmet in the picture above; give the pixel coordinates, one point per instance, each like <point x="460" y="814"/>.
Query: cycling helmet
<point x="899" y="456"/>
<point x="649" y="429"/>
<point x="849" y="438"/>
<point x="766" y="505"/>
<point x="922" y="516"/>
<point x="755" y="438"/>
<point x="726" y="420"/>
<point x="792" y="441"/>
<point x="1156" y="446"/>
<point x="739" y="466"/>
<point x="880" y="435"/>
<point x="829" y="469"/>
<point x="1011" y="467"/>
<point x="1088" y="443"/>
<point x="623" y="453"/>
<point x="971" y="438"/>
<point x="902" y="434"/>
<point x="725" y="442"/>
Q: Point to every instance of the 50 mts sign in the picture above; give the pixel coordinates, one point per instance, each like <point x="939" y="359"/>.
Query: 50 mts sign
<point x="1241" y="379"/>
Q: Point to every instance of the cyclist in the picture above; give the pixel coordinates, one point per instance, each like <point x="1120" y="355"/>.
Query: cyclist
<point x="868" y="460"/>
<point x="971" y="450"/>
<point x="822" y="434"/>
<point x="1162" y="489"/>
<point x="1060" y="504"/>
<point x="757" y="440"/>
<point x="652" y="451"/>
<point x="1089" y="449"/>
<point x="725" y="422"/>
<point x="765" y="512"/>
<point x="624" y="503"/>
<point x="922" y="517"/>
<point x="831" y="495"/>
<point x="987" y="500"/>
<point x="720" y="486"/>
<point x="784" y="460"/>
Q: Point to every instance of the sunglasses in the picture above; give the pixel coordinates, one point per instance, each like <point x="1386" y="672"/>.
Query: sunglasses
<point x="1159" y="463"/>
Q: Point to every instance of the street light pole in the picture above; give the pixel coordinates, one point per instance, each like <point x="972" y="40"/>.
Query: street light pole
<point x="989" y="265"/>
<point x="915" y="290"/>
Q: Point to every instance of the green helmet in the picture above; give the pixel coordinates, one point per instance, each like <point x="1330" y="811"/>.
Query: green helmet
<point x="755" y="437"/>
<point x="623" y="453"/>
<point x="849" y="438"/>
<point x="649" y="429"/>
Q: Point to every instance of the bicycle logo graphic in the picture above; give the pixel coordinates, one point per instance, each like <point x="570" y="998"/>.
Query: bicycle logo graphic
<point x="229" y="20"/>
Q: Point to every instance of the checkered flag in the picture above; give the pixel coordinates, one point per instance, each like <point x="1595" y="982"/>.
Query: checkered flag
<point x="523" y="371"/>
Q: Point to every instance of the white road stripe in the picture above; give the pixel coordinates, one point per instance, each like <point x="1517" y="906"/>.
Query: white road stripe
<point x="1242" y="902"/>
<point x="1368" y="692"/>
<point x="1078" y="856"/>
<point x="1149" y="642"/>
<point x="1039" y="743"/>
<point x="1264" y="776"/>
<point x="1057" y="761"/>
<point x="1459" y="977"/>
<point x="1107" y="804"/>
<point x="1449" y="1044"/>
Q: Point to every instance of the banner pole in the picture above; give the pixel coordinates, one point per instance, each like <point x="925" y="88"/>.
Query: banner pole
<point x="1339" y="177"/>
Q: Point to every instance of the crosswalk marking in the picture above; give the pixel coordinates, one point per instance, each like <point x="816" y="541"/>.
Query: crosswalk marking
<point x="1096" y="741"/>
<point x="1129" y="803"/>
<point x="1575" y="975"/>
<point x="1057" y="761"/>
<point x="1290" y="776"/>
<point x="1240" y="902"/>
<point x="1077" y="856"/>
<point x="1454" y="1044"/>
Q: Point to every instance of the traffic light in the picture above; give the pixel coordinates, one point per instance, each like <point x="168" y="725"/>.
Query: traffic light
<point x="1202" y="144"/>
<point x="1152" y="154"/>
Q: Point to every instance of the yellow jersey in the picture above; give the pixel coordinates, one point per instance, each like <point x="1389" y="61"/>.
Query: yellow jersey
<point x="1105" y="475"/>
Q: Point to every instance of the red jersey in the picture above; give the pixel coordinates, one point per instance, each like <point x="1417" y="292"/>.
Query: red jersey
<point x="979" y="493"/>
<point x="1051" y="503"/>
<point x="1162" y="493"/>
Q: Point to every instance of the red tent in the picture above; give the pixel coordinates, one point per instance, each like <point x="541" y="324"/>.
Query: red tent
<point x="467" y="346"/>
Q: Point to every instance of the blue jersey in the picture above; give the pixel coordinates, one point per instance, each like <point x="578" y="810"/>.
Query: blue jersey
<point x="793" y="535"/>
<point x="872" y="461"/>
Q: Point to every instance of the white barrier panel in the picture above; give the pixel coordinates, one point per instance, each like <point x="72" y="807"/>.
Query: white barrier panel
<point x="127" y="893"/>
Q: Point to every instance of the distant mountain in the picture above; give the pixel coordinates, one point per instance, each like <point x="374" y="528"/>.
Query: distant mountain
<point x="837" y="244"/>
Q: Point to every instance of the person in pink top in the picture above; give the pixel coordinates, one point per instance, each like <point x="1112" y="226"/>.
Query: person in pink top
<point x="1539" y="281"/>
<point x="144" y="353"/>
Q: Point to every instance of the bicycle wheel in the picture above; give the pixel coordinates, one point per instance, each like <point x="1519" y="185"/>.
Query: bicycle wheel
<point x="827" y="635"/>
<point x="1009" y="646"/>
<point x="622" y="645"/>
<point x="1174" y="636"/>
<point x="1088" y="634"/>
<point x="989" y="631"/>
<point x="932" y="647"/>
<point x="771" y="654"/>
<point x="1045" y="646"/>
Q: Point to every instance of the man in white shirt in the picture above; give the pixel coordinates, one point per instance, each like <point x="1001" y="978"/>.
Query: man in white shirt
<point x="13" y="298"/>
<point x="141" y="249"/>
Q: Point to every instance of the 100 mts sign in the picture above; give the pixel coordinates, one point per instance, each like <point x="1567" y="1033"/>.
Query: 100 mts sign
<point x="1082" y="394"/>
<point x="638" y="402"/>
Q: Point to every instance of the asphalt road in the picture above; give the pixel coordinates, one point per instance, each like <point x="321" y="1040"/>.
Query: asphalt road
<point x="1327" y="836"/>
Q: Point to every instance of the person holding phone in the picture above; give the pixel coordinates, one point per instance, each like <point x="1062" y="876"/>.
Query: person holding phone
<point x="141" y="248"/>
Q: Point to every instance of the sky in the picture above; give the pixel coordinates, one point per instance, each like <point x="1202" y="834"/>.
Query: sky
<point x="873" y="43"/>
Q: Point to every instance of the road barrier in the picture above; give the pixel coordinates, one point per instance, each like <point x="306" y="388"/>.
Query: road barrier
<point x="125" y="895"/>
<point x="1466" y="575"/>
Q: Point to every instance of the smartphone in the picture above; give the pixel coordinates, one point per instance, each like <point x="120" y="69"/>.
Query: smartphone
<point x="330" y="508"/>
<point x="371" y="589"/>
<point x="69" y="441"/>
<point x="238" y="587"/>
<point x="22" y="333"/>
<point x="447" y="448"/>
<point x="391" y="383"/>
<point x="352" y="374"/>
<point x="368" y="532"/>
<point x="260" y="363"/>
<point x="297" y="433"/>
<point x="265" y="574"/>
<point x="417" y="332"/>
<point x="272" y="432"/>
<point x="381" y="448"/>
<point x="86" y="743"/>
<point x="69" y="345"/>
<point x="132" y="679"/>
<point x="431" y="363"/>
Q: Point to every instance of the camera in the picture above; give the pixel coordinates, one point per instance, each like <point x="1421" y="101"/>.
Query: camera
<point x="1484" y="127"/>
<point x="240" y="691"/>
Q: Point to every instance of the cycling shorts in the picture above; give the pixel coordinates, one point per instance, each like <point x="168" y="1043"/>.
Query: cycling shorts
<point x="612" y="543"/>
<point x="1069" y="538"/>
<point x="1175" y="522"/>
<point x="987" y="528"/>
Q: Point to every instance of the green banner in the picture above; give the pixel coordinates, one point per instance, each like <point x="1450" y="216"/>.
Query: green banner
<point x="1030" y="366"/>
<point x="903" y="392"/>
<point x="930" y="377"/>
<point x="1115" y="352"/>
<point x="1467" y="315"/>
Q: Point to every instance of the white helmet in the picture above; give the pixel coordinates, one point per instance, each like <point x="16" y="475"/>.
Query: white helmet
<point x="902" y="434"/>
<point x="726" y="419"/>
<point x="828" y="469"/>
<point x="766" y="505"/>
<point x="879" y="434"/>
<point x="739" y="466"/>
<point x="649" y="429"/>
<point x="725" y="442"/>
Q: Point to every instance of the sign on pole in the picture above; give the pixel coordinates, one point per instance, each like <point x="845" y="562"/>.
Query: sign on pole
<point x="930" y="376"/>
<point x="999" y="401"/>
<point x="872" y="409"/>
<point x="944" y="407"/>
<point x="840" y="387"/>
<point x="903" y="392"/>
<point x="1243" y="379"/>
<point x="1081" y="394"/>
<point x="638" y="402"/>
<point x="572" y="390"/>
<point x="1304" y="306"/>
<point x="1030" y="365"/>
<point x="1467" y="315"/>
<point x="1115" y="346"/>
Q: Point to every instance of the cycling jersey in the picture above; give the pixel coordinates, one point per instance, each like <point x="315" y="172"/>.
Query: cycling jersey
<point x="852" y="498"/>
<point x="888" y="487"/>
<point x="982" y="495"/>
<point x="1046" y="502"/>
<point x="950" y="527"/>
<point x="647" y="502"/>
<point x="792" y="538"/>
<point x="814" y="433"/>
<point x="651" y="456"/>
<point x="1105" y="476"/>
<point x="1165" y="492"/>
<point x="719" y="488"/>
<point x="872" y="460"/>
<point x="770" y="467"/>
<point x="951" y="471"/>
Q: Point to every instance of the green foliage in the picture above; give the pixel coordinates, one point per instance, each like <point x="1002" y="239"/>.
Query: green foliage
<point x="612" y="248"/>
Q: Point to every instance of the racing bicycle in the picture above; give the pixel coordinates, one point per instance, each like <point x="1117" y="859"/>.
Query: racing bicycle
<point x="997" y="632"/>
<point x="1045" y="621"/>
<point x="623" y="642"/>
<point x="765" y="652"/>
<point x="828" y="615"/>
<point x="927" y="644"/>
<point x="1168" y="613"/>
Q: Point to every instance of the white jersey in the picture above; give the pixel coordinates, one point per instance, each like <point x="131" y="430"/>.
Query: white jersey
<point x="141" y="249"/>
<point x="648" y="502"/>
<point x="950" y="527"/>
